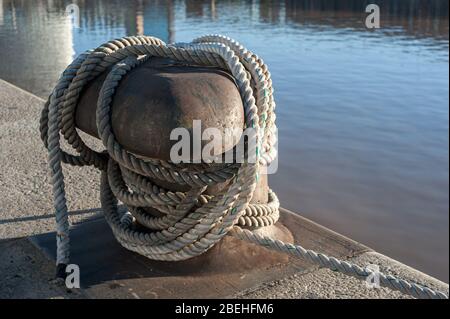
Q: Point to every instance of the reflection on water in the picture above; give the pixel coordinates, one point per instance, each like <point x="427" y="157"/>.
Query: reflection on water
<point x="363" y="115"/>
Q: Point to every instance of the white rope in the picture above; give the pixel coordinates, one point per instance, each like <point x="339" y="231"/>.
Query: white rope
<point x="188" y="223"/>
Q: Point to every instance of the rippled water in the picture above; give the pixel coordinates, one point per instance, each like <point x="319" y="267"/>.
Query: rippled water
<point x="362" y="115"/>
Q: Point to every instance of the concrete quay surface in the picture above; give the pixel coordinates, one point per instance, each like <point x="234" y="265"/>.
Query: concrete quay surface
<point x="26" y="212"/>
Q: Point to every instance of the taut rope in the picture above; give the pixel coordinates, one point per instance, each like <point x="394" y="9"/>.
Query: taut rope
<point x="191" y="221"/>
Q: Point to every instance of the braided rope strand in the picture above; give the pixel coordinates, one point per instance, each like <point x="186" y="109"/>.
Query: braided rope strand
<point x="335" y="264"/>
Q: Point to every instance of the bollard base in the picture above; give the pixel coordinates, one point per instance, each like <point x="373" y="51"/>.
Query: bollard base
<point x="108" y="270"/>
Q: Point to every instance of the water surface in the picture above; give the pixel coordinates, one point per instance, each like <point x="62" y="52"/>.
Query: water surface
<point x="362" y="115"/>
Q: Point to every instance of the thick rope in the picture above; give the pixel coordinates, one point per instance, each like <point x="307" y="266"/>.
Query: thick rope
<point x="341" y="266"/>
<point x="179" y="225"/>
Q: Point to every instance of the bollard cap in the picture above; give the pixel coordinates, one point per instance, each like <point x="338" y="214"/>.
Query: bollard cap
<point x="160" y="96"/>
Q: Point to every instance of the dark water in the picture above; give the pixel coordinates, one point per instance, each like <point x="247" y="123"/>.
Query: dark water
<point x="362" y="115"/>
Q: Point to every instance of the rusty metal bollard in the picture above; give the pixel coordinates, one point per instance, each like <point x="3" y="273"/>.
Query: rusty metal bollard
<point x="132" y="93"/>
<point x="162" y="95"/>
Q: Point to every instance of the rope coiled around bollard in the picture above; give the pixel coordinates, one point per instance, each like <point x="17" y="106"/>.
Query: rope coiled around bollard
<point x="190" y="222"/>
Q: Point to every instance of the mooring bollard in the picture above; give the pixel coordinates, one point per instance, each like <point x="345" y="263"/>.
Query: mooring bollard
<point x="132" y="94"/>
<point x="162" y="95"/>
